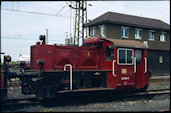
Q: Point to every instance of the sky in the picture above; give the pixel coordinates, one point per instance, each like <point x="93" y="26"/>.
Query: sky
<point x="20" y="30"/>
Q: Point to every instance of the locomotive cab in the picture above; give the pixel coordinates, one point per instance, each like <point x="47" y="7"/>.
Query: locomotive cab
<point x="126" y="62"/>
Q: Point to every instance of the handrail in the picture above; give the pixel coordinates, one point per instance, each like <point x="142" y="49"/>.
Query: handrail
<point x="135" y="65"/>
<point x="145" y="70"/>
<point x="114" y="68"/>
<point x="70" y="73"/>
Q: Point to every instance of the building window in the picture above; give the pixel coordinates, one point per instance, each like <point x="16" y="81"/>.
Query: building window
<point x="93" y="31"/>
<point x="151" y="35"/>
<point x="124" y="32"/>
<point x="125" y="56"/>
<point x="160" y="59"/>
<point x="102" y="30"/>
<point x="163" y="36"/>
<point x="138" y="33"/>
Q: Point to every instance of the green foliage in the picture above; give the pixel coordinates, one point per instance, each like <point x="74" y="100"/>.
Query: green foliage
<point x="14" y="65"/>
<point x="49" y="110"/>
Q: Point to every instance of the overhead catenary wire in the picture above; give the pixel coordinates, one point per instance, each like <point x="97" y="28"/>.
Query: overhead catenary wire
<point x="40" y="13"/>
<point x="17" y="9"/>
<point x="60" y="10"/>
<point x="7" y="37"/>
<point x="65" y="12"/>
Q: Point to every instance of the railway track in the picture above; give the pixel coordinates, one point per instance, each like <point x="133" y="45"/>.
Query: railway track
<point x="165" y="110"/>
<point x="155" y="92"/>
<point x="34" y="101"/>
<point x="21" y="103"/>
<point x="160" y="80"/>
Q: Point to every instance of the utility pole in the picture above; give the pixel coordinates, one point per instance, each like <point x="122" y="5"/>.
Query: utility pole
<point x="46" y="36"/>
<point x="80" y="21"/>
<point x="70" y="34"/>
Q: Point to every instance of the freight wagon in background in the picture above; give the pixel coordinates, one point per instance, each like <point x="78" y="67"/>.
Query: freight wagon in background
<point x="4" y="74"/>
<point x="100" y="64"/>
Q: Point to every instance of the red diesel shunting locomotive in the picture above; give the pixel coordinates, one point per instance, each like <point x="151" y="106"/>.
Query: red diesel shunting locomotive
<point x="99" y="64"/>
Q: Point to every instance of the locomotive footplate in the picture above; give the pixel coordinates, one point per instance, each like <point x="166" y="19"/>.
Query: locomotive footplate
<point x="48" y="83"/>
<point x="80" y="79"/>
<point x="85" y="92"/>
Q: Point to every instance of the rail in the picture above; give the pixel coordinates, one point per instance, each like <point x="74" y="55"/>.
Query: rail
<point x="70" y="74"/>
<point x="133" y="95"/>
<point x="155" y="92"/>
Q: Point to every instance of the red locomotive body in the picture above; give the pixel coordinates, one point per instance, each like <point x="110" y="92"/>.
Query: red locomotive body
<point x="98" y="65"/>
<point x="81" y="58"/>
<point x="127" y="62"/>
<point x="124" y="61"/>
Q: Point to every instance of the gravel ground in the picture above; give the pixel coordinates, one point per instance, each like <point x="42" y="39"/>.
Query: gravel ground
<point x="15" y="92"/>
<point x="121" y="105"/>
<point x="159" y="85"/>
<point x="93" y="103"/>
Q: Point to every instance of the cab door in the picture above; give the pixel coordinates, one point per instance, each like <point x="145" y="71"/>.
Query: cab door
<point x="123" y="68"/>
<point x="142" y="79"/>
<point x="108" y="57"/>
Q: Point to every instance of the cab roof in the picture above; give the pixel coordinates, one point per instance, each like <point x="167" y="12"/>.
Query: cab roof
<point x="117" y="42"/>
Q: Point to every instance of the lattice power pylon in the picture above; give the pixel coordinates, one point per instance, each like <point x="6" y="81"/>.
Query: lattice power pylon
<point x="80" y="21"/>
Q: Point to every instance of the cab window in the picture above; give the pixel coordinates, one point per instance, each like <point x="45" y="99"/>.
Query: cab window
<point x="129" y="56"/>
<point x="122" y="56"/>
<point x="125" y="56"/>
<point x="109" y="53"/>
<point x="138" y="56"/>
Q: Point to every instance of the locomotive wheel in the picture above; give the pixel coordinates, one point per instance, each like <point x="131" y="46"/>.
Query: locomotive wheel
<point x="3" y="94"/>
<point x="45" y="93"/>
<point x="49" y="92"/>
<point x="39" y="90"/>
<point x="142" y="89"/>
<point x="39" y="94"/>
